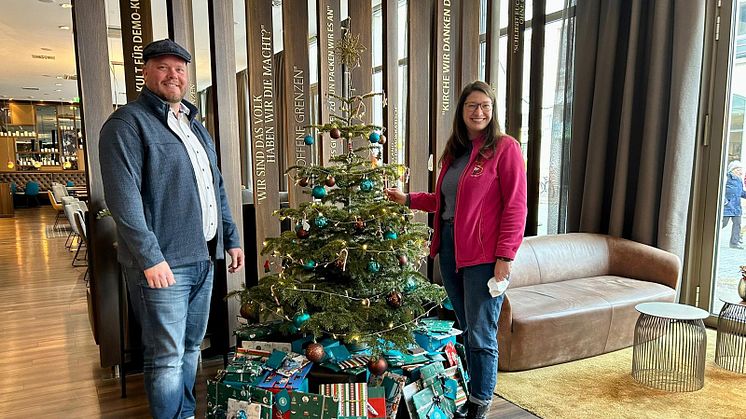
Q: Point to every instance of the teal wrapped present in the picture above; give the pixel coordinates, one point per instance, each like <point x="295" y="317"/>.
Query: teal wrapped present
<point x="219" y="394"/>
<point x="312" y="406"/>
<point x="431" y="403"/>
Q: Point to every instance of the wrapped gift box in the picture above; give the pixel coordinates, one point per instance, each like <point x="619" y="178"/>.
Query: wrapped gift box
<point x="376" y="402"/>
<point x="274" y="381"/>
<point x="430" y="403"/>
<point x="312" y="406"/>
<point x="352" y="398"/>
<point x="393" y="384"/>
<point x="219" y="394"/>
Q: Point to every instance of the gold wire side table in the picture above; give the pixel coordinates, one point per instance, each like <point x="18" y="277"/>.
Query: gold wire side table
<point x="730" y="349"/>
<point x="670" y="347"/>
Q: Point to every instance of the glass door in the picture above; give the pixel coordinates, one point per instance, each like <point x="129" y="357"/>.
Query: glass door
<point x="716" y="240"/>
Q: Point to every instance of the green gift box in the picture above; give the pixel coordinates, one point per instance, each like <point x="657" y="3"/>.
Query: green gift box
<point x="312" y="406"/>
<point x="431" y="403"/>
<point x="219" y="394"/>
<point x="431" y="373"/>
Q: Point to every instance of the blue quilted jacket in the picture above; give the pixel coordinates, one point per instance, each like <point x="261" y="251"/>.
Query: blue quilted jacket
<point x="151" y="191"/>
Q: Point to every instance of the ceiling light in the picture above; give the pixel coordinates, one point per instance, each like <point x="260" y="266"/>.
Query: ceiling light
<point x="66" y="5"/>
<point x="59" y="77"/>
<point x="57" y="90"/>
<point x="64" y="27"/>
<point x="58" y="84"/>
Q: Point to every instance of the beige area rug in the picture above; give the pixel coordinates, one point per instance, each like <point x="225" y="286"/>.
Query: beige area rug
<point x="602" y="386"/>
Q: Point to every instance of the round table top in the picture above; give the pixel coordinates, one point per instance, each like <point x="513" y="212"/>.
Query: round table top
<point x="672" y="311"/>
<point x="733" y="300"/>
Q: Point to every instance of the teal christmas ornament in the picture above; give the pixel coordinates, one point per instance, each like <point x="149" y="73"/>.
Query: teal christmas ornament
<point x="366" y="185"/>
<point x="447" y="304"/>
<point x="411" y="285"/>
<point x="374" y="266"/>
<point x="374" y="137"/>
<point x="390" y="235"/>
<point x="320" y="221"/>
<point x="301" y="318"/>
<point x="309" y="264"/>
<point x="318" y="192"/>
<point x="308" y="139"/>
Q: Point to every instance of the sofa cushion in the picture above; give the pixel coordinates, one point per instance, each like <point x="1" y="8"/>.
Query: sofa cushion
<point x="561" y="321"/>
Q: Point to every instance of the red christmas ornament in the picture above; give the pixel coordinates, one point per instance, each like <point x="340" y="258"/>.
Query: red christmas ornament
<point x="302" y="233"/>
<point x="330" y="181"/>
<point x="378" y="366"/>
<point x="394" y="299"/>
<point x="315" y="352"/>
<point x="303" y="182"/>
<point x="403" y="260"/>
<point x="335" y="133"/>
<point x="359" y="225"/>
<point x="382" y="139"/>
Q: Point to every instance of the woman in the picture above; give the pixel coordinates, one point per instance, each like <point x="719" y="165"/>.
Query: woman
<point x="480" y="199"/>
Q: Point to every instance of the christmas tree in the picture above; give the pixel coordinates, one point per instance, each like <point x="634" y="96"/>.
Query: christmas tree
<point x="349" y="267"/>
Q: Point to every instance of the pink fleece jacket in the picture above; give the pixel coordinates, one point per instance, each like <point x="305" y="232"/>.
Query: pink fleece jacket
<point x="491" y="208"/>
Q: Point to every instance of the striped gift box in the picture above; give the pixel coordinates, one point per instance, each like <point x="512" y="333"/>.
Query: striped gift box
<point x="352" y="398"/>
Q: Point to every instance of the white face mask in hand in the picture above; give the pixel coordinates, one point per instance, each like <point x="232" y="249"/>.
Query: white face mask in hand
<point x="497" y="288"/>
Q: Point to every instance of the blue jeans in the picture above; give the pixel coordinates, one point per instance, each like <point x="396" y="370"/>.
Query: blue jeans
<point x="173" y="321"/>
<point x="477" y="314"/>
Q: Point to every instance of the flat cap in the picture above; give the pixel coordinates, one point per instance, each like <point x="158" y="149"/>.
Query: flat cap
<point x="165" y="47"/>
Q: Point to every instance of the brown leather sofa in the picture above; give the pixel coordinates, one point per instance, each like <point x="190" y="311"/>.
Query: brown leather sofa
<point x="572" y="296"/>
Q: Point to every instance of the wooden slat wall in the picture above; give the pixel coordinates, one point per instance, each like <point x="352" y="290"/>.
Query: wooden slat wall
<point x="137" y="32"/>
<point x="420" y="28"/>
<point x="391" y="78"/>
<point x="181" y="30"/>
<point x="330" y="71"/>
<point x="263" y="124"/>
<point x="91" y="51"/>
<point x="296" y="101"/>
<point x="361" y="16"/>
<point x="514" y="85"/>
<point x="469" y="41"/>
<point x="446" y="83"/>
<point x="223" y="49"/>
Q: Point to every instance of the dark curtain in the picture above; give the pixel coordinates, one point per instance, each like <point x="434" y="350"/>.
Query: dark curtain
<point x="636" y="88"/>
<point x="244" y="126"/>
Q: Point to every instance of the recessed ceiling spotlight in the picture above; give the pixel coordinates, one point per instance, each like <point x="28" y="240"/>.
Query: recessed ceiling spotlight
<point x="64" y="27"/>
<point x="58" y="84"/>
<point x="57" y="90"/>
<point x="66" y="5"/>
<point x="59" y="77"/>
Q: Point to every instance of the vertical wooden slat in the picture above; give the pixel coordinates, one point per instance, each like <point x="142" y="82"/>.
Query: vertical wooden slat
<point x="469" y="41"/>
<point x="223" y="49"/>
<point x="137" y="32"/>
<point x="92" y="58"/>
<point x="492" y="57"/>
<point x="361" y="22"/>
<point x="538" y="22"/>
<point x="181" y="31"/>
<point x="420" y="15"/>
<point x="296" y="101"/>
<point x="330" y="72"/>
<point x="266" y="173"/>
<point x="446" y="85"/>
<point x="390" y="9"/>
<point x="514" y="85"/>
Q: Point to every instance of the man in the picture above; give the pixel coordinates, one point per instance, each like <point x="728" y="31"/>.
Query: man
<point x="165" y="192"/>
<point x="734" y="192"/>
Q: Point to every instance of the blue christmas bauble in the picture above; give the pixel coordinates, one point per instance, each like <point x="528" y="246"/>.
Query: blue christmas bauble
<point x="447" y="304"/>
<point x="309" y="264"/>
<point x="366" y="185"/>
<point x="320" y="222"/>
<point x="374" y="137"/>
<point x="410" y="285"/>
<point x="373" y="266"/>
<point x="390" y="235"/>
<point x="318" y="192"/>
<point x="301" y="318"/>
<point x="308" y="139"/>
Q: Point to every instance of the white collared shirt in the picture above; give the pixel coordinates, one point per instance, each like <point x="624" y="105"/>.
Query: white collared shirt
<point x="202" y="170"/>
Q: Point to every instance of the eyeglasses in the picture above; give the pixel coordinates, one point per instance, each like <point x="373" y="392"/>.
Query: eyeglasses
<point x="471" y="107"/>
